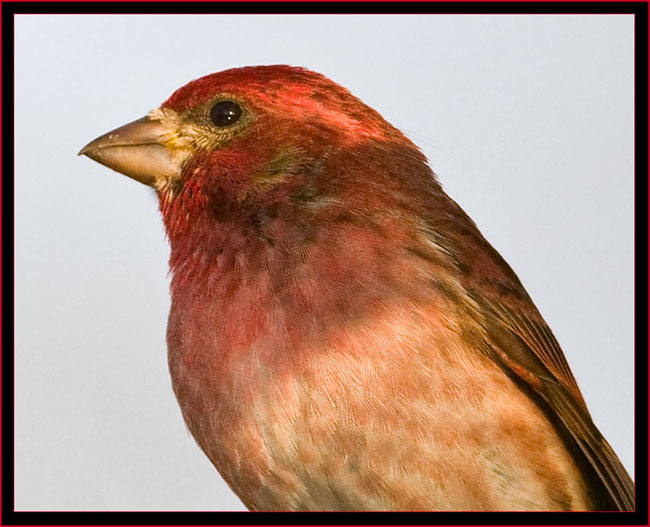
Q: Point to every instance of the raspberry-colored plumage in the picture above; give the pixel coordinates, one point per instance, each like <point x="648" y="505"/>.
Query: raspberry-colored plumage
<point x="341" y="336"/>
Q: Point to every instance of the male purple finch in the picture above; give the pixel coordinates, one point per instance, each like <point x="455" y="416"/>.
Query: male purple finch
<point x="341" y="336"/>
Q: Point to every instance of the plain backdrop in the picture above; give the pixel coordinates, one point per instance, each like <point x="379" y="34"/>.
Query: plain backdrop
<point x="527" y="120"/>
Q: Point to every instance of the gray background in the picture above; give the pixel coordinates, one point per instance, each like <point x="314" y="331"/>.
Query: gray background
<point x="528" y="121"/>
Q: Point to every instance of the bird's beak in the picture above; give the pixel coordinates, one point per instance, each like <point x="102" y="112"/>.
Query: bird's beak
<point x="138" y="150"/>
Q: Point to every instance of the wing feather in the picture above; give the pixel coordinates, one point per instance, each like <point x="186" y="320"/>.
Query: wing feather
<point x="541" y="342"/>
<point x="520" y="341"/>
<point x="535" y="351"/>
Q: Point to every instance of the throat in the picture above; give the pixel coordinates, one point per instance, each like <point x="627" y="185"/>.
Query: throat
<point x="275" y="282"/>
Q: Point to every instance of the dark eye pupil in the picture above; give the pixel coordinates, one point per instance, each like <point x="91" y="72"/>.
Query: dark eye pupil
<point x="225" y="113"/>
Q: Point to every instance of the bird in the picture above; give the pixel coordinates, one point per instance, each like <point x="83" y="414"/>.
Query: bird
<point x="341" y="336"/>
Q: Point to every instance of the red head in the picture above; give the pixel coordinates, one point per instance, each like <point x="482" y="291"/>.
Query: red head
<point x="254" y="164"/>
<point x="280" y="126"/>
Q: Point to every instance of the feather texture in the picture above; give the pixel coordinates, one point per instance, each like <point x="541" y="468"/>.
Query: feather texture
<point x="341" y="335"/>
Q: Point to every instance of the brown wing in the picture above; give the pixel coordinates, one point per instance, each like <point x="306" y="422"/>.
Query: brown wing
<point x="526" y="348"/>
<point x="538" y="339"/>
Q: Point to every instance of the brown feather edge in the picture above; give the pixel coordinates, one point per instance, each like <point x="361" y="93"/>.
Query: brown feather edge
<point x="567" y="410"/>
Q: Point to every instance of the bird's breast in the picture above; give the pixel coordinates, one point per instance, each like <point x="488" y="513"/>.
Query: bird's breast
<point x="393" y="412"/>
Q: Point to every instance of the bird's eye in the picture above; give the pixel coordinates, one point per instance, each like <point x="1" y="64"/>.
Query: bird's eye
<point x="225" y="113"/>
